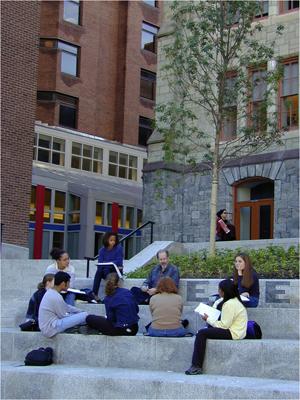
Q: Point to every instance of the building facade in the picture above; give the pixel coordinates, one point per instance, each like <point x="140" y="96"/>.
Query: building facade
<point x="91" y="91"/>
<point x="261" y="191"/>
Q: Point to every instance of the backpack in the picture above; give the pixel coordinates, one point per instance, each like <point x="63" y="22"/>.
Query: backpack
<point x="30" y="325"/>
<point x="253" y="330"/>
<point x="40" y="357"/>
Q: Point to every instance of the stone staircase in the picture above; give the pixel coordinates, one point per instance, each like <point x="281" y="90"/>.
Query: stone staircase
<point x="141" y="367"/>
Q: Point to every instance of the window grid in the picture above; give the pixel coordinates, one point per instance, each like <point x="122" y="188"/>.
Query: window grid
<point x="49" y="149"/>
<point x="122" y="165"/>
<point x="149" y="33"/>
<point x="72" y="11"/>
<point x="148" y="84"/>
<point x="289" y="97"/>
<point x="264" y="9"/>
<point x="87" y="158"/>
<point x="258" y="108"/>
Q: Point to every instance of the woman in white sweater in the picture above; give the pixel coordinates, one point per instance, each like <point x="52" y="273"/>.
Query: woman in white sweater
<point x="232" y="326"/>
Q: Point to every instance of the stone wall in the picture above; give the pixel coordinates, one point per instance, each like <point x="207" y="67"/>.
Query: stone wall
<point x="180" y="204"/>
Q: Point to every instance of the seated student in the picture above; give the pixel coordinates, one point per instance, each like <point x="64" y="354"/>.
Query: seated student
<point x="35" y="300"/>
<point x="233" y="324"/>
<point x="163" y="269"/>
<point x="246" y="278"/>
<point x="111" y="251"/>
<point x="55" y="315"/>
<point x="62" y="263"/>
<point x="121" y="311"/>
<point x="166" y="308"/>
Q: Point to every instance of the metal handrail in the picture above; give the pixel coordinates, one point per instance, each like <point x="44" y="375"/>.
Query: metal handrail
<point x="88" y="259"/>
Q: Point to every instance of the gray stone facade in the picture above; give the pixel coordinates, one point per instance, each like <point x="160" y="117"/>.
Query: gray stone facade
<point x="179" y="203"/>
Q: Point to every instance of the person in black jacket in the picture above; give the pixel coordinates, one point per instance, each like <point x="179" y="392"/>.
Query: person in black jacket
<point x="121" y="311"/>
<point x="35" y="300"/>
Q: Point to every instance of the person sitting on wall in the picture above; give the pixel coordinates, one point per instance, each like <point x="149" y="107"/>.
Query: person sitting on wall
<point x="232" y="326"/>
<point x="62" y="263"/>
<point x="245" y="276"/>
<point x="166" y="308"/>
<point x="32" y="314"/>
<point x="55" y="315"/>
<point x="224" y="230"/>
<point x="163" y="269"/>
<point x="121" y="311"/>
<point x="111" y="251"/>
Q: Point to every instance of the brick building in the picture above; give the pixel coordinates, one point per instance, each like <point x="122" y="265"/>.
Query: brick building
<point x="95" y="96"/>
<point x="19" y="42"/>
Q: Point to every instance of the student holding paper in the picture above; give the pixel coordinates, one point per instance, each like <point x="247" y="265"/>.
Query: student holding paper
<point x="111" y="251"/>
<point x="246" y="278"/>
<point x="232" y="326"/>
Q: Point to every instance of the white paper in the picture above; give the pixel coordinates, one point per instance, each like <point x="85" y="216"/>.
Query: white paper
<point x="244" y="298"/>
<point x="114" y="265"/>
<point x="73" y="291"/>
<point x="212" y="313"/>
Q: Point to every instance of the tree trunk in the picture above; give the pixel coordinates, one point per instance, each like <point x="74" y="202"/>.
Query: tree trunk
<point x="213" y="210"/>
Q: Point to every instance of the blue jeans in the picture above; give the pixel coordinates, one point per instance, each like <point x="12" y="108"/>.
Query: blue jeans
<point x="166" y="332"/>
<point x="253" y="302"/>
<point x="70" y="298"/>
<point x="70" y="321"/>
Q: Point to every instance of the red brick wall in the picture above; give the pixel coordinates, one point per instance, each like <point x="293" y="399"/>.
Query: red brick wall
<point x="20" y="27"/>
<point x="108" y="85"/>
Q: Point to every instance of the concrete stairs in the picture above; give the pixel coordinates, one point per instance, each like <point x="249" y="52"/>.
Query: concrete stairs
<point x="141" y="367"/>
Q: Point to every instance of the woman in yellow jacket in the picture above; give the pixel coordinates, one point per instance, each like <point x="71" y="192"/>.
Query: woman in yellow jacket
<point x="233" y="324"/>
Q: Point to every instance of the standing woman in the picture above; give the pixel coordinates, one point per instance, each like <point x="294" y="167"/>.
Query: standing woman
<point x="232" y="326"/>
<point x="62" y="263"/>
<point x="246" y="278"/>
<point x="224" y="230"/>
<point x="121" y="311"/>
<point x="111" y="251"/>
<point x="166" y="309"/>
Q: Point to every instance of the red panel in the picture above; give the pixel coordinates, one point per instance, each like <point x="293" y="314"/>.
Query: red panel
<point x="115" y="216"/>
<point x="38" y="232"/>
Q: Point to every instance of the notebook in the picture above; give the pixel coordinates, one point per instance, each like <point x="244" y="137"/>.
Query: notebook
<point x="212" y="312"/>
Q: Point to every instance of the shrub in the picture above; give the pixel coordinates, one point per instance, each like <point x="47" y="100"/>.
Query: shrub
<point x="270" y="262"/>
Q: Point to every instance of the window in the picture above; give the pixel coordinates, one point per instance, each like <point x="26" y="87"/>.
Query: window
<point x="149" y="33"/>
<point x="67" y="116"/>
<point x="258" y="105"/>
<point x="87" y="158"/>
<point x="32" y="204"/>
<point x="139" y="217"/>
<point x="122" y="165"/>
<point x="263" y="9"/>
<point x="74" y="209"/>
<point x="49" y="149"/>
<point x="72" y="11"/>
<point x="99" y="220"/>
<point x="286" y="6"/>
<point x="69" y="55"/>
<point x="148" y="83"/>
<point x="59" y="207"/>
<point x="230" y="110"/>
<point x="151" y="3"/>
<point x="129" y="217"/>
<point x="47" y="205"/>
<point x="289" y="95"/>
<point x="145" y="130"/>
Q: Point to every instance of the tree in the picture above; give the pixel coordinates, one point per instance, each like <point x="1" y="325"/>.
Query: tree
<point x="216" y="68"/>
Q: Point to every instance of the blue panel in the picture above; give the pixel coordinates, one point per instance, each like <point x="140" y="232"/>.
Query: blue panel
<point x="49" y="227"/>
<point x="74" y="227"/>
<point x="122" y="231"/>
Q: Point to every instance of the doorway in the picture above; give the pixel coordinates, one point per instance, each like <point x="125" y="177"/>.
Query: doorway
<point x="254" y="209"/>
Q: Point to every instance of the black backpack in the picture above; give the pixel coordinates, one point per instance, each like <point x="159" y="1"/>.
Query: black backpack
<point x="253" y="330"/>
<point x="40" y="357"/>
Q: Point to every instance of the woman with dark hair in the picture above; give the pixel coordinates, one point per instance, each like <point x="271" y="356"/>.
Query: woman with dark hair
<point x="246" y="278"/>
<point x="111" y="251"/>
<point x="121" y="311"/>
<point x="32" y="313"/>
<point x="62" y="263"/>
<point x="166" y="309"/>
<point x="232" y="326"/>
<point x="224" y="230"/>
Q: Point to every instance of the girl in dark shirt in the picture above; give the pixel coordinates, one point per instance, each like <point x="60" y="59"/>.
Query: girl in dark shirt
<point x="247" y="279"/>
<point x="121" y="311"/>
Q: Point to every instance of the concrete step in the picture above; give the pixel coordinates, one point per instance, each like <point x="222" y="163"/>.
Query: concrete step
<point x="72" y="382"/>
<point x="266" y="358"/>
<point x="276" y="323"/>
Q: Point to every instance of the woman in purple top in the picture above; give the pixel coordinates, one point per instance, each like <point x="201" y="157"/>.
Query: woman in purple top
<point x="246" y="278"/>
<point x="111" y="251"/>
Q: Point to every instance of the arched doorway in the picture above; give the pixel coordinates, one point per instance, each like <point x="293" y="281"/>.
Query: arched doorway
<point x="254" y="209"/>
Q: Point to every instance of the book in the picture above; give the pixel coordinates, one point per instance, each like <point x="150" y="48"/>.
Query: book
<point x="114" y="265"/>
<point x="213" y="313"/>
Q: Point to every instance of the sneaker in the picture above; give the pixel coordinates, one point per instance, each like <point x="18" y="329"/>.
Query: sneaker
<point x="194" y="371"/>
<point x="185" y="323"/>
<point x="189" y="334"/>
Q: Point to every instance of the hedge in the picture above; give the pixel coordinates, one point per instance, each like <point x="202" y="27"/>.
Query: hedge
<point x="270" y="262"/>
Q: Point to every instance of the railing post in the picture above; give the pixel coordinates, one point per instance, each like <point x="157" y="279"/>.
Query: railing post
<point x="151" y="233"/>
<point x="88" y="268"/>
